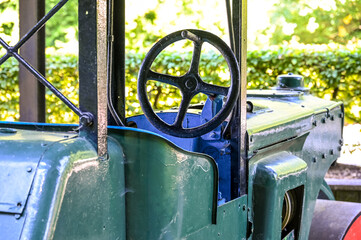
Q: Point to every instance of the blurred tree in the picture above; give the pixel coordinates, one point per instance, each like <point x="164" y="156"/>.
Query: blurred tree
<point x="7" y="27"/>
<point x="64" y="20"/>
<point x="315" y="22"/>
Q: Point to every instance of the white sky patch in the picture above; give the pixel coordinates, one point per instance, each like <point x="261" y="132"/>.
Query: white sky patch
<point x="324" y="4"/>
<point x="289" y="28"/>
<point x="312" y="25"/>
<point x="305" y="11"/>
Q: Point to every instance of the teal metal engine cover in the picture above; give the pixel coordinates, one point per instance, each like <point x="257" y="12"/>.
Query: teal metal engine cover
<point x="54" y="186"/>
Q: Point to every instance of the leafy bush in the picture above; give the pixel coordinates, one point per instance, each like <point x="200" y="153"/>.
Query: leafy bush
<point x="333" y="75"/>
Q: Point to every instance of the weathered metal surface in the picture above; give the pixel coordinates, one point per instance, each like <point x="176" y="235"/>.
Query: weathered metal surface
<point x="332" y="220"/>
<point x="274" y="175"/>
<point x="162" y="180"/>
<point x="231" y="222"/>
<point x="172" y="193"/>
<point x="68" y="180"/>
<point x="20" y="153"/>
<point x="278" y="119"/>
<point x="93" y="70"/>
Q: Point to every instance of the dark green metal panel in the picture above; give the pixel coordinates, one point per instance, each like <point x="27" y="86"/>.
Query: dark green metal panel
<point x="231" y="222"/>
<point x="93" y="206"/>
<point x="274" y="176"/>
<point x="170" y="192"/>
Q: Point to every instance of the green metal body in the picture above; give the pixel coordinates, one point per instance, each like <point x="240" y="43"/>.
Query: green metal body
<point x="53" y="185"/>
<point x="293" y="140"/>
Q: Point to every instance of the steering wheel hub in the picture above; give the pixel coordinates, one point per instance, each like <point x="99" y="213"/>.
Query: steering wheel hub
<point x="191" y="83"/>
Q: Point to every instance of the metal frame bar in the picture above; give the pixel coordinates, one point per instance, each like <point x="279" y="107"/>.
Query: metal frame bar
<point x="32" y="92"/>
<point x="93" y="70"/>
<point x="116" y="62"/>
<point x="239" y="163"/>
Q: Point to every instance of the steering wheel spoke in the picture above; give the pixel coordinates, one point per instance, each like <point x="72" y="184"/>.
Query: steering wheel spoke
<point x="196" y="57"/>
<point x="210" y="89"/>
<point x="164" y="78"/>
<point x="186" y="100"/>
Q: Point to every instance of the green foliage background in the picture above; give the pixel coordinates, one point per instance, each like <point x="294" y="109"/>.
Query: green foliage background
<point x="334" y="75"/>
<point x="337" y="21"/>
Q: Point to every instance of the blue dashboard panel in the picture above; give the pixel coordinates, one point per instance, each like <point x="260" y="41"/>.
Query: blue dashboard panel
<point x="191" y="120"/>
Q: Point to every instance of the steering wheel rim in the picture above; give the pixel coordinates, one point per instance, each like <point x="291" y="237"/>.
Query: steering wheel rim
<point x="189" y="84"/>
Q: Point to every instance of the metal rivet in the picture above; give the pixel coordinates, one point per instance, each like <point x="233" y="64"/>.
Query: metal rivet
<point x="332" y="117"/>
<point x="251" y="138"/>
<point x="341" y="141"/>
<point x="29" y="169"/>
<point x="339" y="148"/>
<point x="314" y="123"/>
<point x="331" y="152"/>
<point x="17" y="216"/>
<point x="324" y="155"/>
<point x="340" y="115"/>
<point x="244" y="207"/>
<point x="323" y="120"/>
<point x="303" y="106"/>
<point x="314" y="159"/>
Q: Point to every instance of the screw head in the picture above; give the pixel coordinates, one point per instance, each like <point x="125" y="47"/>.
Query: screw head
<point x="86" y="119"/>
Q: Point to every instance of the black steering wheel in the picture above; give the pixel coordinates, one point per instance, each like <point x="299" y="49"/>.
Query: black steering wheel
<point x="190" y="84"/>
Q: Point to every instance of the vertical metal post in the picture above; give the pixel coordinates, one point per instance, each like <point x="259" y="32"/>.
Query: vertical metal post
<point x="239" y="172"/>
<point x="32" y="92"/>
<point x="93" y="70"/>
<point x="118" y="64"/>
